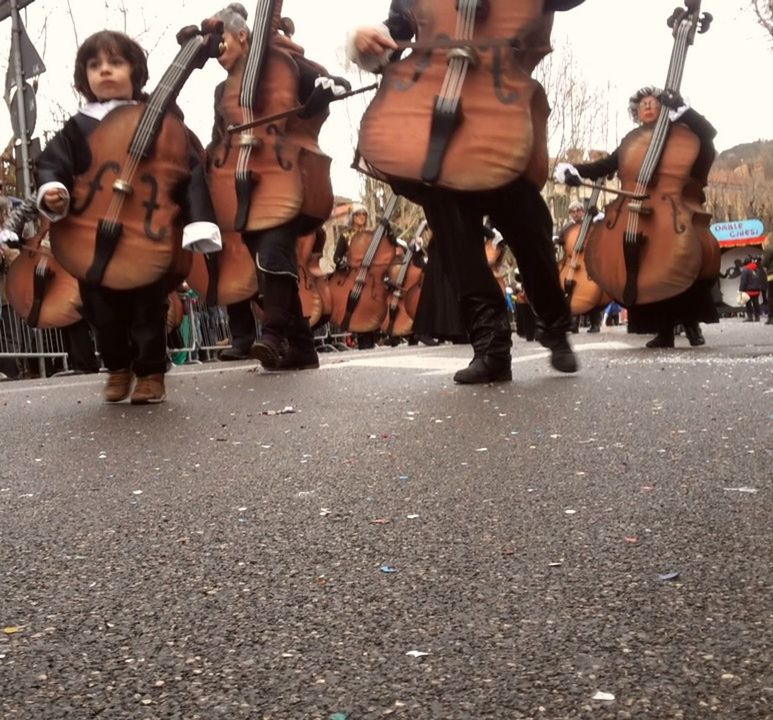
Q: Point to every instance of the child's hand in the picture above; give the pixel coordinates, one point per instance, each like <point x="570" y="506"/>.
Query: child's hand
<point x="371" y="41"/>
<point x="55" y="201"/>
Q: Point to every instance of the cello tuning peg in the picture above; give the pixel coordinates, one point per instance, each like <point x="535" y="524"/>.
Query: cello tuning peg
<point x="705" y="22"/>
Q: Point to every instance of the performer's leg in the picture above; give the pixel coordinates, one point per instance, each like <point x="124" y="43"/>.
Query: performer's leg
<point x="148" y="337"/>
<point x="105" y="311"/>
<point x="241" y="322"/>
<point x="523" y="218"/>
<point x="457" y="228"/>
<point x="594" y="316"/>
<point x="287" y="342"/>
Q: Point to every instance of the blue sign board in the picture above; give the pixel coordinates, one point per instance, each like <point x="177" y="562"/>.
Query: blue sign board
<point x="738" y="230"/>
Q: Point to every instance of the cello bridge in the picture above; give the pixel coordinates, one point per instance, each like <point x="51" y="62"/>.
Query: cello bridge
<point x="252" y="141"/>
<point x="636" y="206"/>
<point x="464" y="53"/>
<point x="123" y="187"/>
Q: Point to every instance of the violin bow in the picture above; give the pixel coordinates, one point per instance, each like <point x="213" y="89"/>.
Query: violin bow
<point x="622" y="193"/>
<point x="286" y="113"/>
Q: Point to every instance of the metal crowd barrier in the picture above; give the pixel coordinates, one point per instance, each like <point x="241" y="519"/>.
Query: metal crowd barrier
<point x="22" y="347"/>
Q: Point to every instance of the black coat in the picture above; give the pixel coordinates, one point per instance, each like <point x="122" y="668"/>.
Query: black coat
<point x="700" y="170"/>
<point x="68" y="155"/>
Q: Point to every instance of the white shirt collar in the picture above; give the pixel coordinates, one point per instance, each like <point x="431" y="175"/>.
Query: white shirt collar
<point x="98" y="110"/>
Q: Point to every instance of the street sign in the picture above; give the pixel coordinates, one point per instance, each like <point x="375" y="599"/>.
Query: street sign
<point x="30" y="111"/>
<point x="5" y="7"/>
<point x="738" y="230"/>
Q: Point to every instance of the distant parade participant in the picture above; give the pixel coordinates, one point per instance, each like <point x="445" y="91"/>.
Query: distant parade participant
<point x="694" y="305"/>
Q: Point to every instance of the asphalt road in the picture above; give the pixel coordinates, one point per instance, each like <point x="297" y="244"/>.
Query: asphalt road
<point x="370" y="540"/>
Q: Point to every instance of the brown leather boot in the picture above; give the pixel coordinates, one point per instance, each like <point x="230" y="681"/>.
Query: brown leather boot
<point x="118" y="385"/>
<point x="149" y="389"/>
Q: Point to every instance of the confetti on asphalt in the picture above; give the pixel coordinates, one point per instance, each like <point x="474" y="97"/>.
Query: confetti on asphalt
<point x="324" y="512"/>
<point x="381" y="521"/>
<point x="288" y="410"/>
<point x="411" y="517"/>
<point x="669" y="576"/>
<point x="603" y="696"/>
<point x="403" y="477"/>
<point x="416" y="653"/>
<point x="339" y="716"/>
<point x="482" y="450"/>
<point x="743" y="489"/>
<point x="570" y="512"/>
<point x="137" y="492"/>
<point x="631" y="540"/>
<point x="11" y="629"/>
<point x="388" y="569"/>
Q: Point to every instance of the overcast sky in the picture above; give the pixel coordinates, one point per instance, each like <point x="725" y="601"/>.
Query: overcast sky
<point x="617" y="45"/>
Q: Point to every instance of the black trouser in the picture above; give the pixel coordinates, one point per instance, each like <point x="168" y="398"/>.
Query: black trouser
<point x="521" y="215"/>
<point x="80" y="347"/>
<point x="753" y="307"/>
<point x="277" y="261"/>
<point x="129" y="326"/>
<point x="241" y="322"/>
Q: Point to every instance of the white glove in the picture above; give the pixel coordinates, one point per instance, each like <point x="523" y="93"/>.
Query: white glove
<point x="567" y="173"/>
<point x="328" y="83"/>
<point x="674" y="115"/>
<point x="7" y="236"/>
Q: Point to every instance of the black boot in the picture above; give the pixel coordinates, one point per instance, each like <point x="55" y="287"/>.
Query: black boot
<point x="664" y="339"/>
<point x="490" y="334"/>
<point x="269" y="349"/>
<point x="694" y="334"/>
<point x="484" y="369"/>
<point x="301" y="354"/>
<point x="562" y="357"/>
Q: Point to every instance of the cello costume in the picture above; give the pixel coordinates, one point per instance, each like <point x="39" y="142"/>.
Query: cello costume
<point x="129" y="324"/>
<point x="515" y="208"/>
<point x="695" y="304"/>
<point x="287" y="342"/>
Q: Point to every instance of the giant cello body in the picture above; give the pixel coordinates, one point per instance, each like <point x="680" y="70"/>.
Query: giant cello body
<point x="124" y="225"/>
<point x="313" y="286"/>
<point x="400" y="280"/>
<point x="582" y="293"/>
<point x="652" y="249"/>
<point x="462" y="109"/>
<point x="359" y="292"/>
<point x="264" y="176"/>
<point x="37" y="287"/>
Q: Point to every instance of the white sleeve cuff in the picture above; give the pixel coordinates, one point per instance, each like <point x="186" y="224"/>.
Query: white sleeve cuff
<point x="202" y="237"/>
<point x="368" y="62"/>
<point x="42" y="190"/>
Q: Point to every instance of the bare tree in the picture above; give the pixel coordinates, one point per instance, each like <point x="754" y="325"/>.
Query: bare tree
<point x="578" y="118"/>
<point x="764" y="11"/>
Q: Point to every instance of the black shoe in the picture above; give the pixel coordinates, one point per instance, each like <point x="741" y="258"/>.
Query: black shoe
<point x="232" y="353"/>
<point x="594" y="329"/>
<point x="662" y="340"/>
<point x="485" y="369"/>
<point x="295" y="359"/>
<point x="694" y="335"/>
<point x="269" y="351"/>
<point x="562" y="357"/>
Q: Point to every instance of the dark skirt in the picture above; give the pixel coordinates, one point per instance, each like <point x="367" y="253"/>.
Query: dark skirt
<point x="438" y="314"/>
<point x="696" y="304"/>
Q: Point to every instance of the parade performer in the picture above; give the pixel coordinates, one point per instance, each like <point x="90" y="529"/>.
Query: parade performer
<point x="459" y="127"/>
<point x="271" y="183"/>
<point x="121" y="240"/>
<point x="695" y="304"/>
